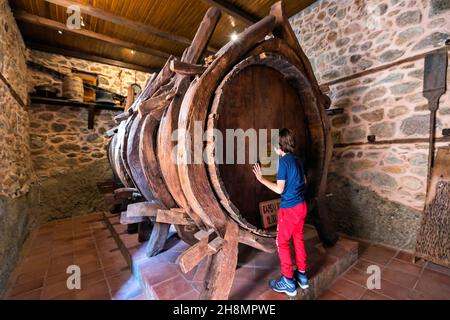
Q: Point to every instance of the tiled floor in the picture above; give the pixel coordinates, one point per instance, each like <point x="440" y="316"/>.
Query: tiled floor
<point x="83" y="241"/>
<point x="105" y="274"/>
<point x="400" y="278"/>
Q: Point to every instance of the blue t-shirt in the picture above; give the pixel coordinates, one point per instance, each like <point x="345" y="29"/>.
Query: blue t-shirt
<point x="290" y="169"/>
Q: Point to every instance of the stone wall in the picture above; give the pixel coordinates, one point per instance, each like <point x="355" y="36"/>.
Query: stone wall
<point x="68" y="158"/>
<point x="112" y="78"/>
<point x="15" y="161"/>
<point x="349" y="38"/>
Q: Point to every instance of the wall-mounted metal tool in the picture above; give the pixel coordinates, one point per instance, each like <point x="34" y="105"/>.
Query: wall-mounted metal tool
<point x="435" y="85"/>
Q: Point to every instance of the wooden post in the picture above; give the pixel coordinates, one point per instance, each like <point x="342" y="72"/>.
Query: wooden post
<point x="220" y="276"/>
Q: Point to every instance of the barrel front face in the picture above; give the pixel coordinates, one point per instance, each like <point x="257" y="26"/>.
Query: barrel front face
<point x="252" y="103"/>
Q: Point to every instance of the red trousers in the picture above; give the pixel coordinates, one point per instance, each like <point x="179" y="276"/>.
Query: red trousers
<point x="290" y="225"/>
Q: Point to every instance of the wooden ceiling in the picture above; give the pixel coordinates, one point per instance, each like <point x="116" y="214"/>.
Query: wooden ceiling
<point x="139" y="34"/>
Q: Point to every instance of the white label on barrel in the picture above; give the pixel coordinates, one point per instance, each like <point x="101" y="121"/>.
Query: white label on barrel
<point x="269" y="212"/>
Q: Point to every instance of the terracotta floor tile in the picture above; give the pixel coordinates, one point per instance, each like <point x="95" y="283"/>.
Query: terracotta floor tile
<point x="379" y="254"/>
<point x="88" y="279"/>
<point x="191" y="295"/>
<point x="188" y="276"/>
<point x="249" y="290"/>
<point x="59" y="277"/>
<point x="31" y="285"/>
<point x="363" y="265"/>
<point x="264" y="275"/>
<point x="124" y="286"/>
<point x="417" y="295"/>
<point x="330" y="295"/>
<point x="98" y="291"/>
<point x="438" y="268"/>
<point x="434" y="283"/>
<point x="53" y="290"/>
<point x="24" y="278"/>
<point x="172" y="288"/>
<point x="374" y="295"/>
<point x="202" y="270"/>
<point x="244" y="273"/>
<point x="30" y="295"/>
<point x="357" y="276"/>
<point x="159" y="272"/>
<point x="272" y="295"/>
<point x="394" y="291"/>
<point x="404" y="266"/>
<point x="266" y="260"/>
<point x="348" y="289"/>
<point x="116" y="268"/>
<point x="404" y="279"/>
<point x="35" y="266"/>
<point x="66" y="296"/>
<point x="86" y="257"/>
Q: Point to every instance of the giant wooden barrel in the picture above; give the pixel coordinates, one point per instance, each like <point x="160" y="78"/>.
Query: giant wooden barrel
<point x="258" y="82"/>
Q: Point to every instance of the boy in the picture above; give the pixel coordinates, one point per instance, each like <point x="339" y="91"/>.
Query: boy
<point x="291" y="215"/>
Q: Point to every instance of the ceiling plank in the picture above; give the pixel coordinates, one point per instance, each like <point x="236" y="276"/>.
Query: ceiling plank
<point x="52" y="24"/>
<point x="89" y="57"/>
<point x="130" y="24"/>
<point x="233" y="11"/>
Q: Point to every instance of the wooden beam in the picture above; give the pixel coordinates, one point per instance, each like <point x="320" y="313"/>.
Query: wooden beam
<point x="233" y="11"/>
<point x="56" y="25"/>
<point x="124" y="22"/>
<point x="89" y="57"/>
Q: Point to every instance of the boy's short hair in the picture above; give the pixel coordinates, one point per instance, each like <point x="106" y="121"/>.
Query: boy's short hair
<point x="287" y="141"/>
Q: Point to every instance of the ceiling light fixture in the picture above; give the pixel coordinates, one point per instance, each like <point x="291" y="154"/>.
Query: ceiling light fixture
<point x="60" y="32"/>
<point x="234" y="36"/>
<point x="132" y="51"/>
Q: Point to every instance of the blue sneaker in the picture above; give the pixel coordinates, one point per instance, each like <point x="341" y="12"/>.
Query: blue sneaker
<point x="284" y="285"/>
<point x="302" y="279"/>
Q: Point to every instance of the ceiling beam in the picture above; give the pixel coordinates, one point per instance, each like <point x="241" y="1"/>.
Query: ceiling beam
<point x="52" y="24"/>
<point x="233" y="11"/>
<point x="89" y="57"/>
<point x="130" y="24"/>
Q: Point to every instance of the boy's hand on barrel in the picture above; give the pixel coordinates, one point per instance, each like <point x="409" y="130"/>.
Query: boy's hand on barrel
<point x="257" y="171"/>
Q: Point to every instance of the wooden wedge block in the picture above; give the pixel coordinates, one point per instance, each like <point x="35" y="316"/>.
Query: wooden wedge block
<point x="192" y="257"/>
<point x="174" y="217"/>
<point x="123" y="116"/>
<point x="202" y="235"/>
<point x="111" y="132"/>
<point x="157" y="103"/>
<point x="124" y="193"/>
<point x="124" y="219"/>
<point x="143" y="209"/>
<point x="186" y="69"/>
